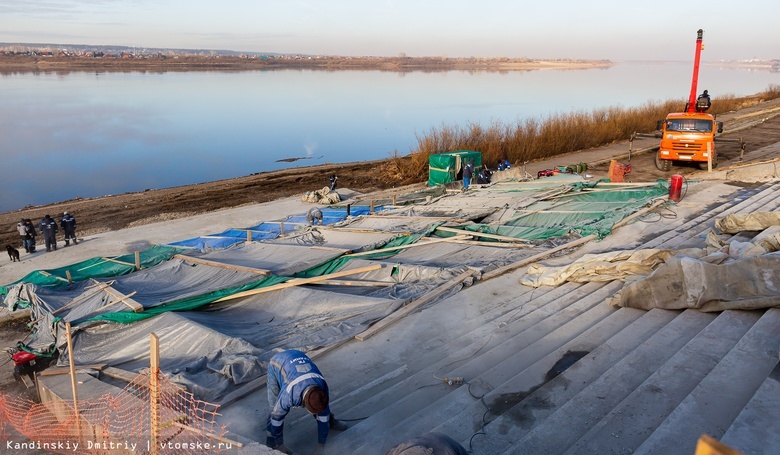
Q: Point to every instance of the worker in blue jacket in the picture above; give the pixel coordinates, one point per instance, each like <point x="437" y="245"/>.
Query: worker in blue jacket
<point x="293" y="380"/>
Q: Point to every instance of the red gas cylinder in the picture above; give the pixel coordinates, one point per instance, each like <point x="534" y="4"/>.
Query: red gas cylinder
<point x="675" y="187"/>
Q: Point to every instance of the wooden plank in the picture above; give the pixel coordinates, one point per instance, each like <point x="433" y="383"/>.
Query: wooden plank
<point x="128" y="376"/>
<point x="95" y="289"/>
<point x="118" y="373"/>
<point x="221" y="265"/>
<point x="118" y="262"/>
<point x="44" y="273"/>
<point x="155" y="394"/>
<point x="363" y="231"/>
<point x="415" y="217"/>
<point x="328" y="248"/>
<point x="481" y="234"/>
<point x="72" y="371"/>
<point x="301" y="281"/>
<point x="125" y="299"/>
<point x="63" y="370"/>
<point x="537" y="257"/>
<point x="411" y="245"/>
<point x="381" y="284"/>
<point x="561" y="211"/>
<point x="413" y="306"/>
<point x="491" y="244"/>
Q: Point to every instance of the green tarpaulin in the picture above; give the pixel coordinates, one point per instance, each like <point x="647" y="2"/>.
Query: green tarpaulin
<point x="446" y="167"/>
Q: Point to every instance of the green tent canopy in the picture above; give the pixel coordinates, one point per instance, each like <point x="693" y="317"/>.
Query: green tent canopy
<point x="446" y="167"/>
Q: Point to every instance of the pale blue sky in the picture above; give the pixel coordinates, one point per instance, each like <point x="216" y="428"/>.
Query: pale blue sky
<point x="588" y="29"/>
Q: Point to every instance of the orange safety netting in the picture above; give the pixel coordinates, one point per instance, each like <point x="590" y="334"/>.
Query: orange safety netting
<point x="117" y="423"/>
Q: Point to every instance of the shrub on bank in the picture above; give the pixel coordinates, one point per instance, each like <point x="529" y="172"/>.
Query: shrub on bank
<point x="538" y="138"/>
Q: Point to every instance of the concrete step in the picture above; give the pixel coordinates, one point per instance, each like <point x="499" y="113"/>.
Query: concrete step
<point x="629" y="423"/>
<point x="361" y="400"/>
<point x="533" y="365"/>
<point x="625" y="348"/>
<point x="682" y="230"/>
<point x="408" y="397"/>
<point x="755" y="431"/>
<point x="584" y="411"/>
<point x="715" y="403"/>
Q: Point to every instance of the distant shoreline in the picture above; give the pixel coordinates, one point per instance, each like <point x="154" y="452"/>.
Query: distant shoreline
<point x="227" y="63"/>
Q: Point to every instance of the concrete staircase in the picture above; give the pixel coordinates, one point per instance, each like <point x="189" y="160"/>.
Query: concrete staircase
<point x="556" y="370"/>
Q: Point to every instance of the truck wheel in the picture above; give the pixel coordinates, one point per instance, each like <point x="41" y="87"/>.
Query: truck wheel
<point x="703" y="166"/>
<point x="662" y="165"/>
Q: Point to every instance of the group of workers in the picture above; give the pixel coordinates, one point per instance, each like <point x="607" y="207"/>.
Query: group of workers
<point x="294" y="381"/>
<point x="49" y="229"/>
<point x="483" y="177"/>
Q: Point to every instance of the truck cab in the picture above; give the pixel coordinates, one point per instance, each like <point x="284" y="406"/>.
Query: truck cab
<point x="688" y="136"/>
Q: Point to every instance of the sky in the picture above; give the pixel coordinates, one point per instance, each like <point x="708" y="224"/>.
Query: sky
<point x="592" y="29"/>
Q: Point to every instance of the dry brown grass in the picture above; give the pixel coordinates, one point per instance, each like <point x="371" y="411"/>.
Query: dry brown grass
<point x="537" y="138"/>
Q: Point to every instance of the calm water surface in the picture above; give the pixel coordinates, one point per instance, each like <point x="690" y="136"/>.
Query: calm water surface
<point x="87" y="134"/>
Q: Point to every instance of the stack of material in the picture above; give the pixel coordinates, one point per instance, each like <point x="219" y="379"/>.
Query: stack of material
<point x="324" y="196"/>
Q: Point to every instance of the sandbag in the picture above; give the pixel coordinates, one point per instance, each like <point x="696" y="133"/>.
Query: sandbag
<point x="614" y="265"/>
<point x="323" y="196"/>
<point x="683" y="282"/>
<point x="758" y="221"/>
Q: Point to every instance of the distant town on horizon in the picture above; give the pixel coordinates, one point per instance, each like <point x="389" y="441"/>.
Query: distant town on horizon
<point x="90" y="50"/>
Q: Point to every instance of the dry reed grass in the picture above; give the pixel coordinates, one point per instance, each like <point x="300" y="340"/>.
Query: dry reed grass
<point x="538" y="138"/>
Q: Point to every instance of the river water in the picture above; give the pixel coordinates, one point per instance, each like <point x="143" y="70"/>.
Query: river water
<point x="86" y="134"/>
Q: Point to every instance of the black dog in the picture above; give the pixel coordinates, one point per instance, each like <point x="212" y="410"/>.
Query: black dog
<point x="13" y="253"/>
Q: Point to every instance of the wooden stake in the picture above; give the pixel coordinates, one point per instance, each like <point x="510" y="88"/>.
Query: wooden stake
<point x="154" y="391"/>
<point x="138" y="260"/>
<point x="248" y="235"/>
<point x="281" y="228"/>
<point x="72" y="365"/>
<point x="70" y="279"/>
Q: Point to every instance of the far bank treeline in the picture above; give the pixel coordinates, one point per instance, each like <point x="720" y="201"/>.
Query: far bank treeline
<point x="11" y="60"/>
<point x="539" y="138"/>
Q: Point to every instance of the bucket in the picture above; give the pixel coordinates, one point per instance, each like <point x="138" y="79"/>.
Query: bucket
<point x="675" y="187"/>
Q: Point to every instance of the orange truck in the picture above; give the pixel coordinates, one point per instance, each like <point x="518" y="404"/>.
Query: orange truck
<point x="690" y="135"/>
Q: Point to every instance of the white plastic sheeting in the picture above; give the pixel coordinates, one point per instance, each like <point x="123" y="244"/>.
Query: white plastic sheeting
<point x="279" y="259"/>
<point x="346" y="240"/>
<point x="223" y="345"/>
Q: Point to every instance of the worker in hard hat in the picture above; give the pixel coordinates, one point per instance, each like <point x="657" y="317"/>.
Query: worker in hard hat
<point x="293" y="381"/>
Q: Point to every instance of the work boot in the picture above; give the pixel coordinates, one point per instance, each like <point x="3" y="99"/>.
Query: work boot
<point x="67" y="242"/>
<point x="75" y="241"/>
<point x="337" y="425"/>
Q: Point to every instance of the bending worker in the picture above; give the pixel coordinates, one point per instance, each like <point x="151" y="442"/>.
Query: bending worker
<point x="314" y="216"/>
<point x="293" y="380"/>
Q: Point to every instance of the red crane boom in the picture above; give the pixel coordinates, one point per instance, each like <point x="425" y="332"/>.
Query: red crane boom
<point x="691" y="106"/>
